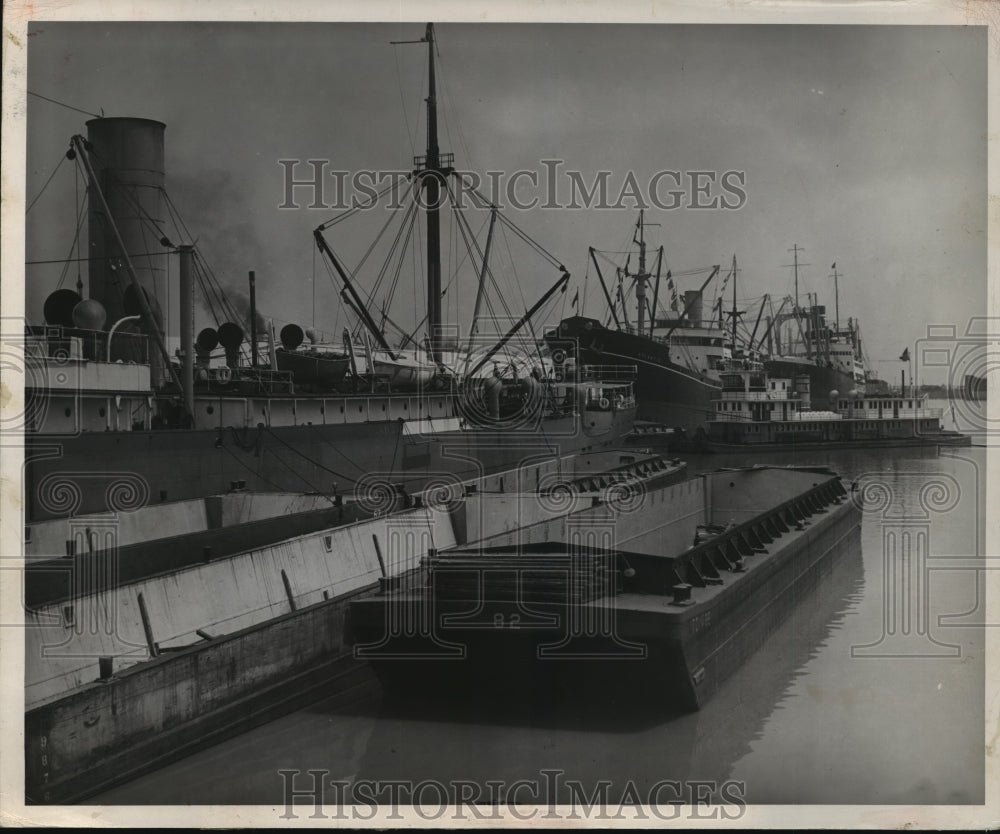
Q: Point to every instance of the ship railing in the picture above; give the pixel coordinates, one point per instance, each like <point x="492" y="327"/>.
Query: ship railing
<point x="758" y="396"/>
<point x="739" y="365"/>
<point x="730" y="417"/>
<point x="445" y="160"/>
<point x="245" y="380"/>
<point x="891" y="414"/>
<point x="632" y="330"/>
<point x="610" y="398"/>
<point x="815" y="416"/>
<point x="270" y="381"/>
<point x="64" y="344"/>
<point x="881" y="392"/>
<point x="606" y="373"/>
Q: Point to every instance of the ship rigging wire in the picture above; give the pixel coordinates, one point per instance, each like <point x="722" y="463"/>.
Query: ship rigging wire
<point x="62" y="159"/>
<point x="75" y="244"/>
<point x="411" y="135"/>
<point x="67" y="106"/>
<point x="218" y="305"/>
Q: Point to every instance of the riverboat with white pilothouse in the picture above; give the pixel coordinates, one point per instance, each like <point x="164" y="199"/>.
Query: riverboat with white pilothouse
<point x="759" y="412"/>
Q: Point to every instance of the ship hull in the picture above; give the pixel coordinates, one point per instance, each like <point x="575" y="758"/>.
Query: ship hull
<point x="624" y="647"/>
<point x="665" y="392"/>
<point x="124" y="470"/>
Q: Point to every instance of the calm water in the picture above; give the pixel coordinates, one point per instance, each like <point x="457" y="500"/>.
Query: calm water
<point x="833" y="709"/>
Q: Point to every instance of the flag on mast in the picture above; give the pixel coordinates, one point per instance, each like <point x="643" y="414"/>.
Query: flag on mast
<point x="576" y="298"/>
<point x="906" y="355"/>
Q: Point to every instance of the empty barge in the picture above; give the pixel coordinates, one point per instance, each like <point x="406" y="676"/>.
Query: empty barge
<point x="660" y="597"/>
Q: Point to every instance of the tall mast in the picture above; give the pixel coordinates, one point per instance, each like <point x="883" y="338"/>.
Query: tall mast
<point x="642" y="277"/>
<point x="795" y="265"/>
<point x="734" y="314"/>
<point x="836" y="299"/>
<point x="432" y="173"/>
<point x="432" y="186"/>
<point x="795" y="249"/>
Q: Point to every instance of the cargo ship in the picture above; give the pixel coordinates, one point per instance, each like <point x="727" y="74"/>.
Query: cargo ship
<point x="114" y="421"/>
<point x="674" y="351"/>
<point x="804" y="342"/>
<point x="659" y="597"/>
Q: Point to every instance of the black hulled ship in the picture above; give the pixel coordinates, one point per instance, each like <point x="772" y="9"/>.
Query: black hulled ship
<point x="674" y="352"/>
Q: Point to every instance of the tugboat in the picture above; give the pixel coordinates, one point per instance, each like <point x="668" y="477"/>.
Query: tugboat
<point x="114" y="421"/>
<point x="758" y="412"/>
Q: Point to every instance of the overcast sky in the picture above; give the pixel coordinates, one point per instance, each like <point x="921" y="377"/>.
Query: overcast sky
<point x="864" y="145"/>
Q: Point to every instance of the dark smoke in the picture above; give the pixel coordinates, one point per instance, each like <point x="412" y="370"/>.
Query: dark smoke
<point x="213" y="206"/>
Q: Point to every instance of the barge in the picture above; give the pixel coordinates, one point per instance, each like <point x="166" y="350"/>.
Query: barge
<point x="156" y="631"/>
<point x="660" y="601"/>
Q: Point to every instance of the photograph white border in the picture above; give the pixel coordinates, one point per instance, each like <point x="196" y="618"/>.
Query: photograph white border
<point x="17" y="15"/>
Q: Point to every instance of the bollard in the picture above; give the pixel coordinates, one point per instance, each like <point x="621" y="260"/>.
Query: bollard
<point x="682" y="594"/>
<point x="106" y="666"/>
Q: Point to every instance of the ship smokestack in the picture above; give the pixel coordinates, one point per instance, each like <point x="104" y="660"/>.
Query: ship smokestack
<point x="692" y="303"/>
<point x="802" y="388"/>
<point x="127" y="157"/>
